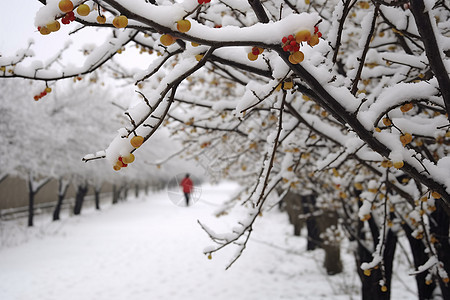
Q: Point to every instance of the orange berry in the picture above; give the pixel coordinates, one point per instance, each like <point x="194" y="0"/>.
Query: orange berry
<point x="252" y="56"/>
<point x="288" y="85"/>
<point x="167" y="40"/>
<point x="398" y="164"/>
<point x="83" y="10"/>
<point x="194" y="44"/>
<point x="117" y="168"/>
<point x="128" y="159"/>
<point x="387" y="122"/>
<point x="314" y="40"/>
<point x="303" y="36"/>
<point x="406" y="107"/>
<point x="44" y="30"/>
<point x="137" y="141"/>
<point x="183" y="25"/>
<point x="53" y="26"/>
<point x="436" y="195"/>
<point x="406" y="139"/>
<point x="101" y="19"/>
<point x="120" y="22"/>
<point x="65" y="6"/>
<point x="296" y="57"/>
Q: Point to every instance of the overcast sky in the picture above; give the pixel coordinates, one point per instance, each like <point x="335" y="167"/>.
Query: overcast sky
<point x="17" y="28"/>
<point x="17" y="24"/>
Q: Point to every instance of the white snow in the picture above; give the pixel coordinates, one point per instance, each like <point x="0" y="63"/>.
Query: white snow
<point x="148" y="248"/>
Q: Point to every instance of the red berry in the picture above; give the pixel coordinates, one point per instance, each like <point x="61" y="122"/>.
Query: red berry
<point x="206" y="1"/>
<point x="255" y="50"/>
<point x="291" y="37"/>
<point x="284" y="40"/>
<point x="293" y="43"/>
<point x="316" y="29"/>
<point x="36" y="97"/>
<point x="39" y="28"/>
<point x="43" y="94"/>
<point x="285" y="48"/>
<point x="71" y="16"/>
<point x="120" y="158"/>
<point x="65" y="21"/>
<point x="201" y="1"/>
<point x="296" y="48"/>
<point x="124" y="165"/>
<point x="319" y="34"/>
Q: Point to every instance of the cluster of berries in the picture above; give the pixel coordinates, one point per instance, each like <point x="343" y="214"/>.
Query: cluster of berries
<point x="255" y="52"/>
<point x="69" y="17"/>
<point x="42" y="94"/>
<point x="292" y="43"/>
<point x="203" y="1"/>
<point x="123" y="161"/>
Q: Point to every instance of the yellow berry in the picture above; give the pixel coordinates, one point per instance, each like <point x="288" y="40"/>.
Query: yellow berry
<point x="101" y="19"/>
<point x="53" y="26"/>
<point x="314" y="40"/>
<point x="44" y="30"/>
<point x="367" y="272"/>
<point x="183" y="25"/>
<point x="120" y="22"/>
<point x="288" y="85"/>
<point x="128" y="159"/>
<point x="384" y="288"/>
<point x="398" y="164"/>
<point x="199" y="57"/>
<point x="303" y="36"/>
<point x="406" y="107"/>
<point x="296" y="57"/>
<point x="137" y="141"/>
<point x="387" y="122"/>
<point x="83" y="10"/>
<point x="252" y="56"/>
<point x="436" y="195"/>
<point x="167" y="40"/>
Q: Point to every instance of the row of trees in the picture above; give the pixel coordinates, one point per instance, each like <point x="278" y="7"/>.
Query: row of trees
<point x="43" y="141"/>
<point x="343" y="100"/>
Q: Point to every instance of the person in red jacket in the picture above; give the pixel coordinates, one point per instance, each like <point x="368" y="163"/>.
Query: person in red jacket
<point x="187" y="186"/>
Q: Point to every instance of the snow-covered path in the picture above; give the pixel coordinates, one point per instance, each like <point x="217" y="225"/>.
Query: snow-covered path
<point x="148" y="248"/>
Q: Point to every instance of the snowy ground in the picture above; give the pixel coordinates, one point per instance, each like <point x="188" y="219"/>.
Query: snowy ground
<point x="148" y="248"/>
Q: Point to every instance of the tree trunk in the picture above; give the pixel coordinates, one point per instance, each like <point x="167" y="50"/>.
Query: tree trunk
<point x="31" y="194"/>
<point x="294" y="210"/>
<point x="136" y="190"/>
<point x="79" y="198"/>
<point x="332" y="262"/>
<point x="115" y="194"/>
<point x="97" y="197"/>
<point x="33" y="189"/>
<point x="370" y="285"/>
<point x="425" y="292"/>
<point x="125" y="192"/>
<point x="62" y="191"/>
<point x="309" y="207"/>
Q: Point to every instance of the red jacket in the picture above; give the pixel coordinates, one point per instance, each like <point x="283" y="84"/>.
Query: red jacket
<point x="187" y="185"/>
